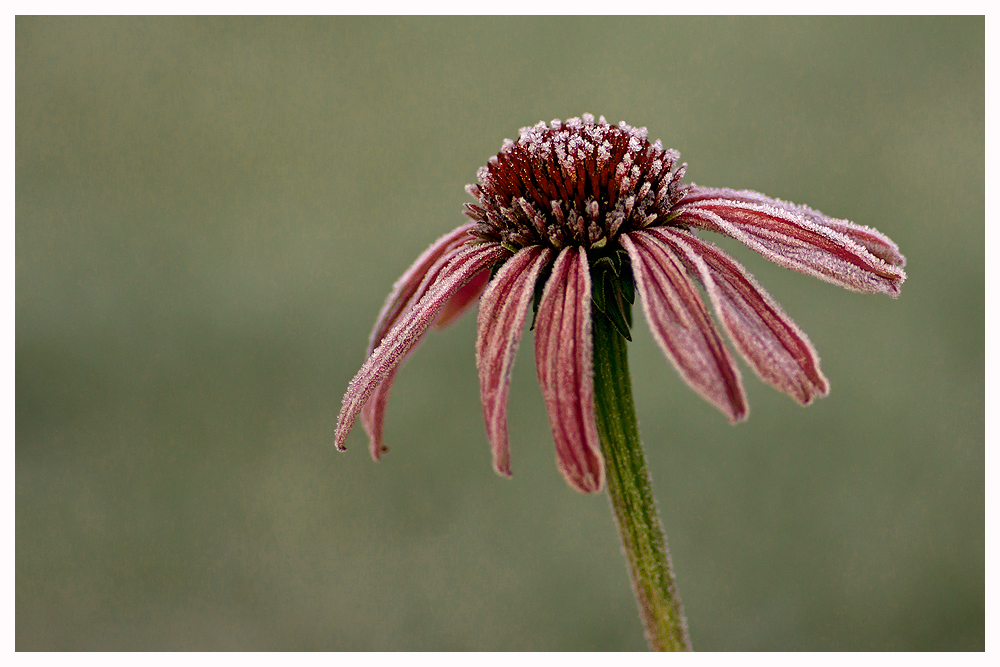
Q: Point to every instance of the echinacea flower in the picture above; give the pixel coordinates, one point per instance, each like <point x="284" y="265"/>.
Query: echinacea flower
<point x="572" y="220"/>
<point x="581" y="215"/>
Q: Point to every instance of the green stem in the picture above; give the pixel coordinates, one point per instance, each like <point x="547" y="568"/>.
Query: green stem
<point x="631" y="496"/>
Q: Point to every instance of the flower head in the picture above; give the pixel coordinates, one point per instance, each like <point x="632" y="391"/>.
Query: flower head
<point x="583" y="214"/>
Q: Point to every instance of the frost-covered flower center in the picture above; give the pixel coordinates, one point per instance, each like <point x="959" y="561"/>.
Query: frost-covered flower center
<point x="580" y="183"/>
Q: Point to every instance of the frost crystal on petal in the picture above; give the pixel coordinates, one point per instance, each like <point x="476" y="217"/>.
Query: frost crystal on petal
<point x="570" y="197"/>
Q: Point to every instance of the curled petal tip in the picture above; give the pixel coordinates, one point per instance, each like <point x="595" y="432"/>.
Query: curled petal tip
<point x="339" y="439"/>
<point x="822" y="391"/>
<point x="740" y="415"/>
<point x="586" y="482"/>
<point x="373" y="416"/>
<point x="896" y="287"/>
<point x="344" y="423"/>
<point x="806" y="396"/>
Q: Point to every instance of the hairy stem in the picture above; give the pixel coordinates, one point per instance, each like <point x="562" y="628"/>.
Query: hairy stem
<point x="631" y="496"/>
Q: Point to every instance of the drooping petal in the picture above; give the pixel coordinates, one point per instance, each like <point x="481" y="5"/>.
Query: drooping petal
<point x="373" y="413"/>
<point x="465" y="263"/>
<point x="872" y="240"/>
<point x="408" y="290"/>
<point x="404" y="291"/>
<point x="465" y="297"/>
<point x="853" y="257"/>
<point x="564" y="361"/>
<point x="682" y="326"/>
<point x="768" y="339"/>
<point x="501" y="318"/>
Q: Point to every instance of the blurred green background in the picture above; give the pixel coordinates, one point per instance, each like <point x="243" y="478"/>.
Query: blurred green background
<point x="210" y="212"/>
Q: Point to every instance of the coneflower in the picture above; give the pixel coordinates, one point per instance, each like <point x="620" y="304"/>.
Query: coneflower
<point x="571" y="221"/>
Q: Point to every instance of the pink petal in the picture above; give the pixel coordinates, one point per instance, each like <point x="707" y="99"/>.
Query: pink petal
<point x="681" y="324"/>
<point x="791" y="239"/>
<point x="404" y="292"/>
<point x="465" y="263"/>
<point x="768" y="339"/>
<point x="407" y="291"/>
<point x="459" y="303"/>
<point x="872" y="240"/>
<point x="501" y="318"/>
<point x="373" y="414"/>
<point x="564" y="360"/>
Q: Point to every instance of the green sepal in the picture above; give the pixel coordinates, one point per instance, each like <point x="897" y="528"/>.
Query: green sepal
<point x="613" y="289"/>
<point x="597" y="290"/>
<point x="628" y="283"/>
<point x="618" y="312"/>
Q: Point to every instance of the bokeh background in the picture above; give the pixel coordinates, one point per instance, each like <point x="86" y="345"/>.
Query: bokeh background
<point x="210" y="212"/>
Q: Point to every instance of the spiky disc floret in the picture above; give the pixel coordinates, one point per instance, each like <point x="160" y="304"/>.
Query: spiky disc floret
<point x="575" y="183"/>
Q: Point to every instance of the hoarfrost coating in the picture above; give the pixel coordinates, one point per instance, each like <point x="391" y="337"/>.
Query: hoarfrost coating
<point x="585" y="214"/>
